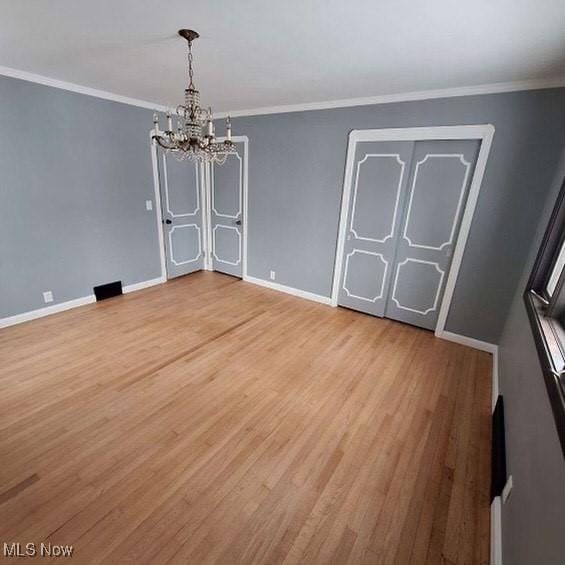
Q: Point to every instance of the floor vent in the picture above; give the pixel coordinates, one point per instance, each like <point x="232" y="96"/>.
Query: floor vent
<point x="498" y="461"/>
<point x="108" y="290"/>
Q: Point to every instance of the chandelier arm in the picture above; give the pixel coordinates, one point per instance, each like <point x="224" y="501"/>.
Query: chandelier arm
<point x="160" y="141"/>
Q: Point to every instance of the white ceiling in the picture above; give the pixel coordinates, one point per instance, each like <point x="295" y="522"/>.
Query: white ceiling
<point x="257" y="53"/>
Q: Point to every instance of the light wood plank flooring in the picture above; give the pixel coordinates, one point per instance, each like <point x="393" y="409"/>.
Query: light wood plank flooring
<point x="211" y="420"/>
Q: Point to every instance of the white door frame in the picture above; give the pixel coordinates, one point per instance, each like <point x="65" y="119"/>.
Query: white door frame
<point x="206" y="200"/>
<point x="484" y="133"/>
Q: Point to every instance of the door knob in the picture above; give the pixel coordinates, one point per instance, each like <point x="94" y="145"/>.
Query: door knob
<point x="237" y="222"/>
<point x="167" y="221"/>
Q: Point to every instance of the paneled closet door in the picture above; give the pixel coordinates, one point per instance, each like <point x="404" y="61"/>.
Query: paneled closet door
<point x="439" y="180"/>
<point x="227" y="214"/>
<point x="379" y="181"/>
<point x="182" y="207"/>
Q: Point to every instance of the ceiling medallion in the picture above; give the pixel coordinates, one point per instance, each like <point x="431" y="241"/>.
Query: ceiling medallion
<point x="194" y="137"/>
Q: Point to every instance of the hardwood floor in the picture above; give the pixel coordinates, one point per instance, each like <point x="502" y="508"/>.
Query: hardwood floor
<point x="211" y="420"/>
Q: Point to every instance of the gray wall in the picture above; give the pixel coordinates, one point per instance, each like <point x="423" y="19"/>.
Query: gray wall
<point x="533" y="518"/>
<point x="75" y="173"/>
<point x="296" y="167"/>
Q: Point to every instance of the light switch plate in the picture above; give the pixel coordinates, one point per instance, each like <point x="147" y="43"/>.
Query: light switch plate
<point x="149" y="204"/>
<point x="272" y="275"/>
<point x="47" y="296"/>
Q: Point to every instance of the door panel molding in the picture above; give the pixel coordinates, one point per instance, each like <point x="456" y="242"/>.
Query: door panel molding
<point x="467" y="166"/>
<point x="397" y="198"/>
<point x="438" y="288"/>
<point x="483" y="133"/>
<point x="172" y="247"/>
<point x="220" y="226"/>
<point x="167" y="194"/>
<point x="213" y="191"/>
<point x="383" y="278"/>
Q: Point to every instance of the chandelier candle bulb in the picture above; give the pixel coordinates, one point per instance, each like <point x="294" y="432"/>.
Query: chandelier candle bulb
<point x="169" y="123"/>
<point x="228" y="129"/>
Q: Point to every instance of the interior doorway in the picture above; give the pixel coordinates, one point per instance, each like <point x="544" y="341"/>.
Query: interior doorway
<point x="202" y="213"/>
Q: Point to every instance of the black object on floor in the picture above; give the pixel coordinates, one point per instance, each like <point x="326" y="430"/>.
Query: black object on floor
<point x="498" y="461"/>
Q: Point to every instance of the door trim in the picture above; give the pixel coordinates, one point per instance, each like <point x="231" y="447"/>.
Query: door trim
<point x="158" y="208"/>
<point x="167" y="200"/>
<point x="483" y="132"/>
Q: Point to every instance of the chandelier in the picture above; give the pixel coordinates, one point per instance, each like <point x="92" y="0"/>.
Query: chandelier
<point x="194" y="138"/>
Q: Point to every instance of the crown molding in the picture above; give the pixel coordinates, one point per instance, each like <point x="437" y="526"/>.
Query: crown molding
<point x="494" y="88"/>
<point x="72" y="87"/>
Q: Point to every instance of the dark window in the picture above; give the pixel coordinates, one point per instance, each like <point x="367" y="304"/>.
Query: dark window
<point x="545" y="303"/>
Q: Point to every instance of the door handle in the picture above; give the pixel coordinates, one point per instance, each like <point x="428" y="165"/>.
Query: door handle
<point x="237" y="222"/>
<point x="167" y="221"/>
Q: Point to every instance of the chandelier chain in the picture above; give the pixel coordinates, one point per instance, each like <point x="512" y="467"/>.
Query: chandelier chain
<point x="190" y="70"/>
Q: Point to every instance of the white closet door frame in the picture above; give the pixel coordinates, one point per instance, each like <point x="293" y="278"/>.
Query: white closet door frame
<point x="207" y="239"/>
<point x="484" y="133"/>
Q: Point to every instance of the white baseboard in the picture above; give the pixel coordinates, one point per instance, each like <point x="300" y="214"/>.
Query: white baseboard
<point x="61" y="307"/>
<point x="450" y="336"/>
<point x="469" y="341"/>
<point x="143" y="284"/>
<point x="496" y="532"/>
<point x="47" y="311"/>
<point x="491" y="348"/>
<point x="289" y="290"/>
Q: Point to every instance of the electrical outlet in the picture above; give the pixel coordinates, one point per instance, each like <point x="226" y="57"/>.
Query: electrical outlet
<point x="506" y="490"/>
<point x="272" y="275"/>
<point x="47" y="296"/>
<point x="149" y="204"/>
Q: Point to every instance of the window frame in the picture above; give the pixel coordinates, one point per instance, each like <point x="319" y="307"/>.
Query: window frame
<point x="547" y="313"/>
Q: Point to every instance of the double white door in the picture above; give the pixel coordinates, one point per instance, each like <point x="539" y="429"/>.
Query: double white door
<point x="405" y="209"/>
<point x="202" y="214"/>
